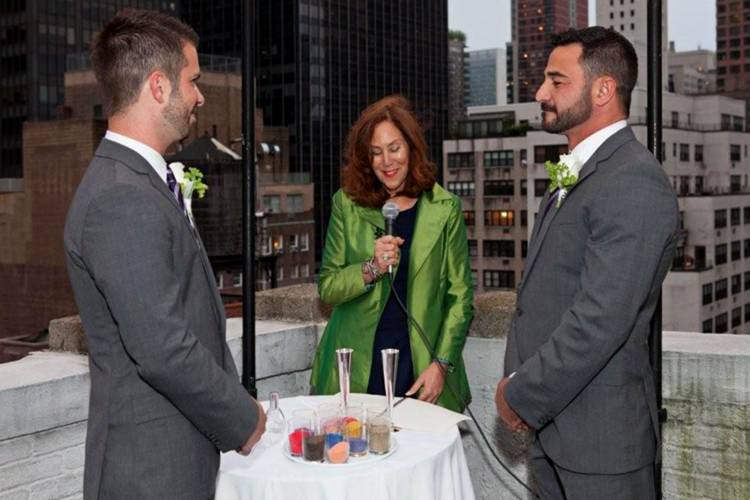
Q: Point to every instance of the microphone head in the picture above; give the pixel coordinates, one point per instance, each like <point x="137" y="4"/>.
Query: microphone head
<point x="390" y="211"/>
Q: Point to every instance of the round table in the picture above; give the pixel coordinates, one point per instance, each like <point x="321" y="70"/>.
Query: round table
<point x="424" y="466"/>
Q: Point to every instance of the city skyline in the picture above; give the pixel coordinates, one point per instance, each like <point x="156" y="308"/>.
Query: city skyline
<point x="687" y="25"/>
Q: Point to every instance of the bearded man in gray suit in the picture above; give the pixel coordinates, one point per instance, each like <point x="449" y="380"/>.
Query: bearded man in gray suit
<point x="577" y="362"/>
<point x="165" y="393"/>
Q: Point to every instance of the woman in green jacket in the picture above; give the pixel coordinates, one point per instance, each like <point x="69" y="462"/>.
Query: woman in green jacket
<point x="386" y="159"/>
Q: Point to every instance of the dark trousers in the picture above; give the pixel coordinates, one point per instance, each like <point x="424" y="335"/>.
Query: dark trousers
<point x="555" y="483"/>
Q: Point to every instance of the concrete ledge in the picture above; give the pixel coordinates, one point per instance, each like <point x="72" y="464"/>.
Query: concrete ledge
<point x="66" y="334"/>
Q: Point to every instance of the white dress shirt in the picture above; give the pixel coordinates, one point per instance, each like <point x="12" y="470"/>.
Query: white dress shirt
<point x="148" y="153"/>
<point x="587" y="147"/>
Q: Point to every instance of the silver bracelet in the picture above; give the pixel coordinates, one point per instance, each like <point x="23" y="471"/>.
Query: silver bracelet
<point x="373" y="270"/>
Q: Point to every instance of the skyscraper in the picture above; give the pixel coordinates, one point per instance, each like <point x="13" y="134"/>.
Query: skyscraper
<point x="457" y="84"/>
<point x="732" y="49"/>
<point x="532" y="21"/>
<point x="320" y="62"/>
<point x="486" y="72"/>
<point x="35" y="40"/>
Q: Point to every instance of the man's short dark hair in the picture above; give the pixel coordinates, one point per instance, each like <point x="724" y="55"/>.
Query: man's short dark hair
<point x="605" y="52"/>
<point x="131" y="46"/>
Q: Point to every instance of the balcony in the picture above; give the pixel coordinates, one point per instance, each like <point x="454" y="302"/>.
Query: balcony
<point x="705" y="388"/>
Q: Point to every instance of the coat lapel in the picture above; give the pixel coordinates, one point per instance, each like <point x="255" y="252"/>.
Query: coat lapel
<point x="540" y="230"/>
<point x="432" y="214"/>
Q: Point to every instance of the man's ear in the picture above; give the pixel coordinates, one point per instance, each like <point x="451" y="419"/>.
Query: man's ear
<point x="604" y="90"/>
<point x="159" y="87"/>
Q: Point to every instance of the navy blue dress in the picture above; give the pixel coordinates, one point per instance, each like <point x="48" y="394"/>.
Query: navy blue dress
<point x="393" y="329"/>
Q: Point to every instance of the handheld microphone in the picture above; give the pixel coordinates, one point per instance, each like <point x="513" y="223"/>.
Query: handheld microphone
<point x="390" y="212"/>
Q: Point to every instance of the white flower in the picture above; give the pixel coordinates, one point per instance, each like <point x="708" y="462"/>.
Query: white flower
<point x="572" y="162"/>
<point x="178" y="171"/>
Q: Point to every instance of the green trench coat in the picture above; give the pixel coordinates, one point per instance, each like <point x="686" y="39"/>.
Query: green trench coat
<point x="440" y="295"/>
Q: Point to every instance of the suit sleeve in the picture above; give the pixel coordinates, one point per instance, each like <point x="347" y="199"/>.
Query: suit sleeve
<point x="339" y="281"/>
<point x="127" y="244"/>
<point x="459" y="296"/>
<point x="632" y="225"/>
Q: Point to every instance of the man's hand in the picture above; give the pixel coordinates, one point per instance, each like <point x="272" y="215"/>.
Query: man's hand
<point x="431" y="382"/>
<point x="257" y="433"/>
<point x="509" y="417"/>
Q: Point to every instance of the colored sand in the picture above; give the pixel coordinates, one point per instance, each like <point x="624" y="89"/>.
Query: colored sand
<point x="358" y="446"/>
<point x="312" y="447"/>
<point x="339" y="453"/>
<point x="295" y="440"/>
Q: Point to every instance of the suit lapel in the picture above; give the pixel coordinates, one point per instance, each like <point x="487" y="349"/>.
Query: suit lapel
<point x="540" y="230"/>
<point x="134" y="161"/>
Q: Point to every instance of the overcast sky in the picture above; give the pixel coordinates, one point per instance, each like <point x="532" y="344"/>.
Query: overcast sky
<point x="692" y="23"/>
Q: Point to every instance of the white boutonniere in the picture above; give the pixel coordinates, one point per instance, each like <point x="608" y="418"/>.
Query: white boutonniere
<point x="563" y="175"/>
<point x="190" y="181"/>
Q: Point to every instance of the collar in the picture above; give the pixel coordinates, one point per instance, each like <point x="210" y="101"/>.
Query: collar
<point x="148" y="153"/>
<point x="587" y="147"/>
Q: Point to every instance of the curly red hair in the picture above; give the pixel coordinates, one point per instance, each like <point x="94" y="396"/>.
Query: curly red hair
<point x="358" y="179"/>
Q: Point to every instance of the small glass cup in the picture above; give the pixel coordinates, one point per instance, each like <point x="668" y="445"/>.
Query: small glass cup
<point x="336" y="442"/>
<point x="313" y="444"/>
<point x="379" y="429"/>
<point x="353" y="427"/>
<point x="301" y="424"/>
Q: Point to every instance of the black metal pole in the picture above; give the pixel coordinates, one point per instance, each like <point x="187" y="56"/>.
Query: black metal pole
<point x="654" y="123"/>
<point x="248" y="197"/>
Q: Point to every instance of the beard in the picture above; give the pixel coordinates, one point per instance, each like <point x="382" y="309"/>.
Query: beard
<point x="177" y="115"/>
<point x="566" y="119"/>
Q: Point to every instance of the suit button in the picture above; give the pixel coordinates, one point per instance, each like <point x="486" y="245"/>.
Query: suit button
<point x="519" y="311"/>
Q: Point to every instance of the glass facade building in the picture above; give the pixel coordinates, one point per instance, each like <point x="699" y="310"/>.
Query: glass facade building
<point x="36" y="38"/>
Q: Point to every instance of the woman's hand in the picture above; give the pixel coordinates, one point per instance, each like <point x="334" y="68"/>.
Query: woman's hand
<point x="386" y="252"/>
<point x="431" y="382"/>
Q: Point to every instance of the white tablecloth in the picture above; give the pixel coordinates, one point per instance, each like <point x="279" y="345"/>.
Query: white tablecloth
<point x="424" y="466"/>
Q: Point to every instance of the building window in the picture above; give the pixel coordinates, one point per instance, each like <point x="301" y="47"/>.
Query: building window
<point x="540" y="187"/>
<point x="498" y="217"/>
<point x="498" y="188"/>
<point x="473" y="248"/>
<point x="734" y="216"/>
<point x="499" y="248"/>
<point x="746" y="214"/>
<point x="736" y="284"/>
<point x="674" y="150"/>
<point x="735" y="152"/>
<point x="237" y="279"/>
<point x="736" y="317"/>
<point x="720" y="289"/>
<point x="304" y="242"/>
<point x="747" y="280"/>
<point x="708" y="325"/>
<point x="699" y="152"/>
<point x="747" y="312"/>
<point x="684" y="152"/>
<point x="708" y="293"/>
<point x="474" y="278"/>
<point x="675" y="119"/>
<point x="549" y="153"/>
<point x="501" y="158"/>
<point x="461" y="188"/>
<point x="305" y="269"/>
<point x="720" y="219"/>
<point x="684" y="184"/>
<point x="721" y="323"/>
<point x="522" y="184"/>
<point x="735" y="183"/>
<point x="698" y="184"/>
<point x="460" y="160"/>
<point x="295" y="272"/>
<point x="272" y="203"/>
<point x="499" y="279"/>
<point x="736" y="250"/>
<point x="524" y="218"/>
<point x="280" y="274"/>
<point x="294" y="203"/>
<point x="469" y="217"/>
<point x="293" y="242"/>
<point x="720" y="254"/>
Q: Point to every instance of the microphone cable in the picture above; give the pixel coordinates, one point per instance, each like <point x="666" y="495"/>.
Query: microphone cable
<point x="453" y="390"/>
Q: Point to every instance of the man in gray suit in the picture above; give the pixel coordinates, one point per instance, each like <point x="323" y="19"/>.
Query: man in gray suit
<point x="577" y="363"/>
<point x="165" y="393"/>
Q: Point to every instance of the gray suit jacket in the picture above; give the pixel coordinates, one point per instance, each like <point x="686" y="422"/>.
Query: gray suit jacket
<point x="165" y="394"/>
<point x="579" y="338"/>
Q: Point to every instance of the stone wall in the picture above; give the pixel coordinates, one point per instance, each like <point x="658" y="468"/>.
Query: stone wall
<point x="44" y="400"/>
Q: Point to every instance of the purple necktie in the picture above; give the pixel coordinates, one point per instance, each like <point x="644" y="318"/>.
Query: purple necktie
<point x="551" y="200"/>
<point x="175" y="188"/>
